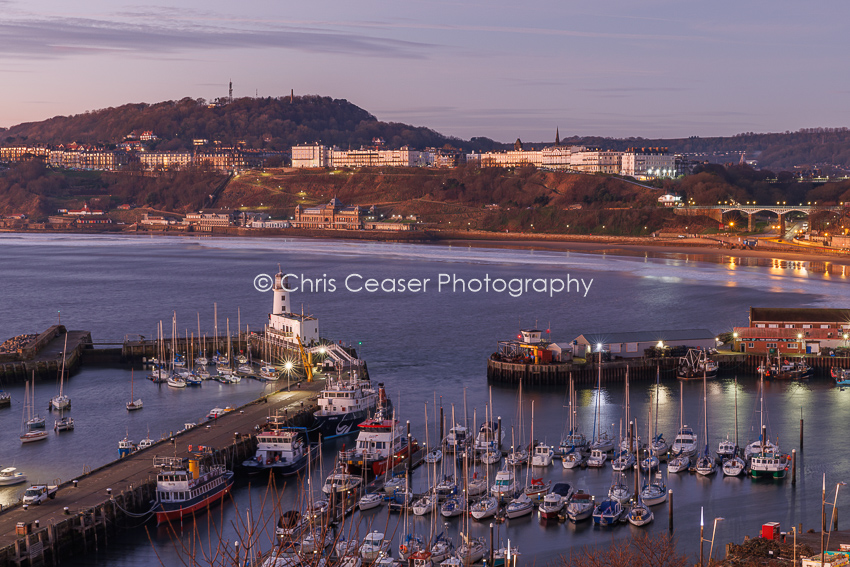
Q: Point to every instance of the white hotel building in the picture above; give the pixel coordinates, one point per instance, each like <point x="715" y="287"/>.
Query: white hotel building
<point x="317" y="155"/>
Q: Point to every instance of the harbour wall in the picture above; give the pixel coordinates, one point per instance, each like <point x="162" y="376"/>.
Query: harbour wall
<point x="556" y="374"/>
<point x="43" y="357"/>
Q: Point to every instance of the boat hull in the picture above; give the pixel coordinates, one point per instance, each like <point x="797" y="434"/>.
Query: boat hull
<point x="283" y="469"/>
<point x="337" y="425"/>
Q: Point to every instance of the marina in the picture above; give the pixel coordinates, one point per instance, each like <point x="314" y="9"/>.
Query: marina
<point x="788" y="501"/>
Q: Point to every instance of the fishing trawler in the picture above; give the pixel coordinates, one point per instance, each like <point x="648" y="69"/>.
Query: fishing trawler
<point x="280" y="448"/>
<point x="184" y="486"/>
<point x="696" y="364"/>
<point x="345" y="404"/>
<point x="380" y="444"/>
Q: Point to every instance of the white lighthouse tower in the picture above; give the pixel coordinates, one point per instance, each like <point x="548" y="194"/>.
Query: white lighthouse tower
<point x="281" y="296"/>
<point x="286" y="327"/>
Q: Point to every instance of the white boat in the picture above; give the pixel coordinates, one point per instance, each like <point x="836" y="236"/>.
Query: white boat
<point x="489" y="436"/>
<point x="63" y="424"/>
<point x="537" y="489"/>
<point x="202" y="372"/>
<point x="315" y="540"/>
<point x="146" y="442"/>
<point x="555" y="501"/>
<point x="542" y="457"/>
<point x="62" y="401"/>
<point x="573" y="459"/>
<point x="10" y="476"/>
<point x="176" y="381"/>
<point x="624" y="461"/>
<point x="374" y="545"/>
<point x="726" y="449"/>
<point x="580" y="506"/>
<point x="202" y="361"/>
<point x="640" y="514"/>
<point x="654" y="492"/>
<point x="650" y="464"/>
<point x="133" y="404"/>
<point x="620" y="490"/>
<point x="705" y="464"/>
<point x="424" y="505"/>
<point x="519" y="506"/>
<point x="442" y="549"/>
<point x="733" y="466"/>
<point x="29" y="433"/>
<point x="517" y="458"/>
<point x="245" y="369"/>
<point x="601" y="441"/>
<point x="678" y="463"/>
<point x="457" y="438"/>
<point x="471" y="550"/>
<point x="454" y="506"/>
<point x="597" y="458"/>
<point x="490" y="457"/>
<point x="395" y="484"/>
<point x="476" y="486"/>
<point x="434" y="456"/>
<point x="280" y="448"/>
<point x="370" y="501"/>
<point x="696" y="364"/>
<point x="505" y="484"/>
<point x="485" y="507"/>
<point x="572" y="440"/>
<point x="242" y="359"/>
<point x="339" y="481"/>
<point x="685" y="442"/>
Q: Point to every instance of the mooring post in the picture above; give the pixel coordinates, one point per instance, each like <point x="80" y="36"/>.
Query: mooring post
<point x="801" y="428"/>
<point x="670" y="507"/>
<point x="793" y="466"/>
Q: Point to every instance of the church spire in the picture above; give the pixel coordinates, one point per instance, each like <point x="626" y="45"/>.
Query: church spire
<point x="557" y="137"/>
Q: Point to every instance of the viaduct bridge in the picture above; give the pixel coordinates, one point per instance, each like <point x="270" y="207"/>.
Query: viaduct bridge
<point x="717" y="212"/>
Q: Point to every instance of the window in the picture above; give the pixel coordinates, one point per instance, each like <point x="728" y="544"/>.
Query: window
<point x="807" y="326"/>
<point x="824" y="326"/>
<point x="771" y="345"/>
<point x="789" y="326"/>
<point x="793" y="345"/>
<point x="616" y="347"/>
<point x="760" y="325"/>
<point x="752" y="345"/>
<point x="773" y="326"/>
<point x="631" y="347"/>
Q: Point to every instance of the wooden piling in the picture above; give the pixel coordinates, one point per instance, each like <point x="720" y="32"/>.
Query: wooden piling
<point x="793" y="466"/>
<point x="670" y="507"/>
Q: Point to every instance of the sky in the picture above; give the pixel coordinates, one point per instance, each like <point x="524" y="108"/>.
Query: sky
<point x="496" y="68"/>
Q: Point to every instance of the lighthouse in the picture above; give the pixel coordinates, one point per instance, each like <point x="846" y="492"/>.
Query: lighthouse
<point x="281" y="297"/>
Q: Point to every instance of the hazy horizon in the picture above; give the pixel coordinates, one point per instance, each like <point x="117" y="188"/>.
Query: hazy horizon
<point x="655" y="69"/>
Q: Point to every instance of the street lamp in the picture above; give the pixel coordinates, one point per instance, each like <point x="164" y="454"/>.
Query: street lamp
<point x="834" y="502"/>
<point x="702" y="539"/>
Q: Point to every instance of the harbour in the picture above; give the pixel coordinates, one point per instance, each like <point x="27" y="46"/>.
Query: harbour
<point x="402" y="375"/>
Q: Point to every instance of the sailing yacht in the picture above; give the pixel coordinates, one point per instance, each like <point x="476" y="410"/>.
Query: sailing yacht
<point x="767" y="462"/>
<point x="733" y="465"/>
<point x="133" y="404"/>
<point x="705" y="462"/>
<point x="601" y="442"/>
<point x="639" y="514"/>
<point x="28" y="433"/>
<point x="684" y="446"/>
<point x="62" y="401"/>
<point x="572" y="440"/>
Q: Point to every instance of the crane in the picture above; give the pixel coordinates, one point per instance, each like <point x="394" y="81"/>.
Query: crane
<point x="308" y="370"/>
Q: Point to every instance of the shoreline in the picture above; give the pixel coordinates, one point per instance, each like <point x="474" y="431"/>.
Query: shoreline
<point x="628" y="246"/>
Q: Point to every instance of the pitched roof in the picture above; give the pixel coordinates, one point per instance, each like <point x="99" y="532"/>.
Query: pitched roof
<point x="799" y="314"/>
<point x="648" y="336"/>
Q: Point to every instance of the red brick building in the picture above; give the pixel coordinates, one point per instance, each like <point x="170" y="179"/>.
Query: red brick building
<point x="792" y="330"/>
